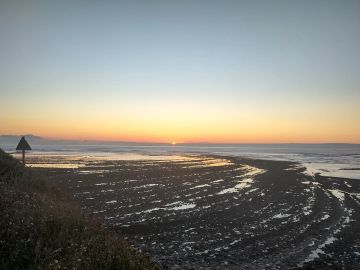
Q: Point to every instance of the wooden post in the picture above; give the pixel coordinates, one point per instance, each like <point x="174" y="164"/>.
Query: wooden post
<point x="23" y="155"/>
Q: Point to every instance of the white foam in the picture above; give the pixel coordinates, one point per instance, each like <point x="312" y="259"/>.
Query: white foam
<point x="174" y="206"/>
<point x="152" y="210"/>
<point x="338" y="194"/>
<point x="111" y="202"/>
<point x="147" y="185"/>
<point x="315" y="253"/>
<point x="252" y="171"/>
<point x="246" y="183"/>
<point x="325" y="217"/>
<point x="92" y="171"/>
<point x="281" y="215"/>
<point x="218" y="181"/>
<point x="130" y="180"/>
<point x="332" y="170"/>
<point x="200" y="186"/>
<point x="347" y="184"/>
<point x="252" y="190"/>
<point x="183" y="206"/>
<point x="173" y="203"/>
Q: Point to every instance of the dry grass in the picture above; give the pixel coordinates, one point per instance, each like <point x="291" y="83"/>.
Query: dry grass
<point x="42" y="228"/>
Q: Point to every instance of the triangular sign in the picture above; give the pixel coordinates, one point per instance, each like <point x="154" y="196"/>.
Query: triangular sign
<point x="23" y="144"/>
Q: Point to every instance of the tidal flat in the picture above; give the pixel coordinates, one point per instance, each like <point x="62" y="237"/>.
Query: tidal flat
<point x="216" y="212"/>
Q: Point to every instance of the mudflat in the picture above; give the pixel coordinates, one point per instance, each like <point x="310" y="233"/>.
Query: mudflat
<point x="211" y="212"/>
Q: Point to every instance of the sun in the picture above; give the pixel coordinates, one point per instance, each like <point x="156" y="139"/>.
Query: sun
<point x="173" y="143"/>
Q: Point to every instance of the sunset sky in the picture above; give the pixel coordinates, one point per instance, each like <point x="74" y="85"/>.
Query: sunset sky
<point x="185" y="71"/>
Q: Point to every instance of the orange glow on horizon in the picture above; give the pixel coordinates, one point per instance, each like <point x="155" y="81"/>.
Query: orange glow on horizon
<point x="177" y="135"/>
<point x="185" y="125"/>
<point x="263" y="138"/>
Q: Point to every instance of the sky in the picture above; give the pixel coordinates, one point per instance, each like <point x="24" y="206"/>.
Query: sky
<point x="181" y="71"/>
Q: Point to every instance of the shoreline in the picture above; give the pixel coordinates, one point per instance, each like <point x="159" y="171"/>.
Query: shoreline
<point x="339" y="167"/>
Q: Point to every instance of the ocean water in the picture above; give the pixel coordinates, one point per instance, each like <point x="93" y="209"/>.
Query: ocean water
<point x="336" y="160"/>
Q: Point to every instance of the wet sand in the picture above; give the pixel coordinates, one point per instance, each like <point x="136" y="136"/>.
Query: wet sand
<point x="208" y="212"/>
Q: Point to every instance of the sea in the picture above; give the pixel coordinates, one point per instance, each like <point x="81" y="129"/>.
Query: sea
<point x="333" y="160"/>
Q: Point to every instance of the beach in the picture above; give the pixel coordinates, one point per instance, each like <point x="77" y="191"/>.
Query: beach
<point x="217" y="135"/>
<point x="201" y="211"/>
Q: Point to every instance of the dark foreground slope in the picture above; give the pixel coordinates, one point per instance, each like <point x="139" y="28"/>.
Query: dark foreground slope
<point x="41" y="228"/>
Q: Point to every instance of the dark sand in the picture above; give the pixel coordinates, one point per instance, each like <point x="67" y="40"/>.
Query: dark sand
<point x="188" y="215"/>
